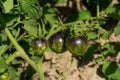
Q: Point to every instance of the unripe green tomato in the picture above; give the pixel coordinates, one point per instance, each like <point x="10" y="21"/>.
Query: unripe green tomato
<point x="57" y="42"/>
<point x="39" y="45"/>
<point x="77" y="45"/>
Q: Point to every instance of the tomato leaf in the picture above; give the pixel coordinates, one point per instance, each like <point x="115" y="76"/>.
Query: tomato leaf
<point x="80" y="15"/>
<point x="3" y="37"/>
<point x="114" y="11"/>
<point x="83" y="15"/>
<point x="89" y="54"/>
<point x="99" y="60"/>
<point x="35" y="58"/>
<point x="31" y="27"/>
<point x="12" y="74"/>
<point x="8" y="5"/>
<point x="51" y="17"/>
<point x="91" y="35"/>
<point x="2" y="64"/>
<point x="116" y="75"/>
<point x="111" y="70"/>
<point x="31" y="8"/>
<point x="110" y="48"/>
<point x="9" y="18"/>
<point x="2" y="48"/>
<point x="117" y="32"/>
<point x="109" y="67"/>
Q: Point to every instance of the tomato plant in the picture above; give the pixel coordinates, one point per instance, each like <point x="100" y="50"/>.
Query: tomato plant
<point x="44" y="20"/>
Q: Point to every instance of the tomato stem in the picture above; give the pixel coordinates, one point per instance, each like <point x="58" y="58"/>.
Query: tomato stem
<point x="75" y="29"/>
<point x="52" y="31"/>
<point x="11" y="57"/>
<point x="17" y="34"/>
<point x="44" y="32"/>
<point x="21" y="51"/>
<point x="40" y="69"/>
<point x="39" y="31"/>
<point x="98" y="9"/>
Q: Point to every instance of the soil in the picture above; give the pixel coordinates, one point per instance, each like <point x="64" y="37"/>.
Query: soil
<point x="65" y="66"/>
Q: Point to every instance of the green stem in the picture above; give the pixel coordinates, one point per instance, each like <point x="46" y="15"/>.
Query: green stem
<point x="18" y="47"/>
<point x="17" y="34"/>
<point x="11" y="44"/>
<point x="43" y="28"/>
<point x="40" y="31"/>
<point x="60" y="21"/>
<point x="75" y="29"/>
<point x="21" y="51"/>
<point x="53" y="31"/>
<point x="11" y="57"/>
<point x="101" y="52"/>
<point x="40" y="69"/>
<point x="15" y="25"/>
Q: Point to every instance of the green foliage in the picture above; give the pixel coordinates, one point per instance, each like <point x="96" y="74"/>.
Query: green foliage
<point x="13" y="74"/>
<point x="109" y="67"/>
<point x="91" y="35"/>
<point x="113" y="11"/>
<point x="80" y="15"/>
<point x="51" y="17"/>
<point x="92" y="5"/>
<point x="2" y="48"/>
<point x="115" y="76"/>
<point x="99" y="60"/>
<point x="84" y="15"/>
<point x="2" y="65"/>
<point x="8" y="5"/>
<point x="31" y="26"/>
<point x="31" y="8"/>
<point x="9" y="18"/>
<point x="91" y="49"/>
<point x="117" y="32"/>
<point x="111" y="70"/>
<point x="111" y="48"/>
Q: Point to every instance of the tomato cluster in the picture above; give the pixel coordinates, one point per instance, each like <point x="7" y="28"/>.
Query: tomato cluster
<point x="60" y="42"/>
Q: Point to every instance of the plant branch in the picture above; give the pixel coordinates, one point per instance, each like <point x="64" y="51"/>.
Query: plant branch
<point x="20" y="49"/>
<point x="53" y="31"/>
<point x="11" y="57"/>
<point x="40" y="69"/>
